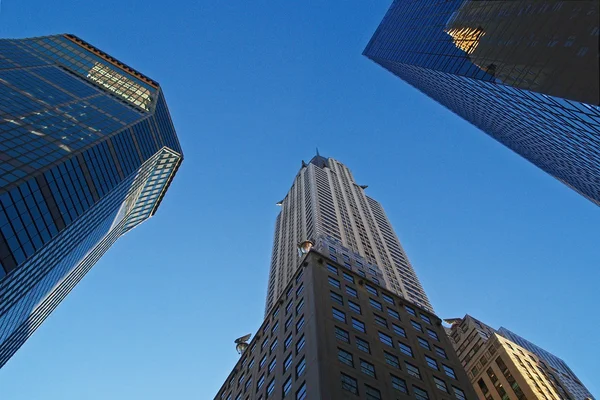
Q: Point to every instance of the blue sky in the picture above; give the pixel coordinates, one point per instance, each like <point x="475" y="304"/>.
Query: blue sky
<point x="253" y="88"/>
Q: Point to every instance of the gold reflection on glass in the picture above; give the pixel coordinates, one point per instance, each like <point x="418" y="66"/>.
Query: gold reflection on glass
<point x="466" y="39"/>
<point x="120" y="85"/>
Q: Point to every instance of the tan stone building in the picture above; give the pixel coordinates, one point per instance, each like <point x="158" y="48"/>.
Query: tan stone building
<point x="500" y="369"/>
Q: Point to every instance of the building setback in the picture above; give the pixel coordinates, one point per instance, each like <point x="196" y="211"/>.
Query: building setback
<point x="332" y="334"/>
<point x="325" y="203"/>
<point x="87" y="153"/>
<point x="501" y="368"/>
<point x="525" y="72"/>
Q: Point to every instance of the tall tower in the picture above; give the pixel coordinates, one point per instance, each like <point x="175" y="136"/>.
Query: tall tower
<point x="325" y="203"/>
<point x="525" y="72"/>
<point x="87" y="152"/>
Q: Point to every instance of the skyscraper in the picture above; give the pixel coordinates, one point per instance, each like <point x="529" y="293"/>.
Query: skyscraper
<point x="501" y="363"/>
<point x="326" y="203"/>
<point x="87" y="152"/>
<point x="345" y="315"/>
<point x="523" y="71"/>
<point x="561" y="370"/>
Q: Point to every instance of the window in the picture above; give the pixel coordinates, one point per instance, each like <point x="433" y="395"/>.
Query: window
<point x="413" y="370"/>
<point x="425" y="318"/>
<point x="299" y="306"/>
<point x="345" y="357"/>
<point x="420" y="394"/>
<point x="391" y="359"/>
<point x="351" y="292"/>
<point x="393" y="314"/>
<point x="385" y="339"/>
<point x="372" y="393"/>
<point x="358" y="325"/>
<point x="276" y="312"/>
<point x="423" y="343"/>
<point x="376" y="305"/>
<point x="300" y="367"/>
<point x="332" y="269"/>
<point x="299" y="276"/>
<point x="361" y="273"/>
<point x="416" y="325"/>
<point x="363" y="345"/>
<point x="248" y="383"/>
<point x="432" y="334"/>
<point x="264" y="343"/>
<point x="251" y="364"/>
<point x="410" y="310"/>
<point x="336" y="298"/>
<point x="333" y="282"/>
<point x="300" y="324"/>
<point x="440" y="352"/>
<point x="334" y="258"/>
<point x="348" y="277"/>
<point x="288" y="341"/>
<point x="288" y="307"/>
<point x="399" y="330"/>
<point x="260" y="382"/>
<point x="449" y="371"/>
<point x="300" y="344"/>
<point x="262" y="361"/>
<point x="301" y="393"/>
<point x="271" y="388"/>
<point x="300" y="289"/>
<point x="367" y="368"/>
<point x="460" y="395"/>
<point x="272" y="365"/>
<point x="440" y="384"/>
<point x="331" y="250"/>
<point x="287" y="386"/>
<point x="287" y="362"/>
<point x="288" y="323"/>
<point x="432" y="363"/>
<point x="342" y="335"/>
<point x="375" y="280"/>
<point x="274" y="329"/>
<point x="399" y="384"/>
<point x="379" y="320"/>
<point x="405" y="349"/>
<point x="289" y="292"/>
<point x="274" y="344"/>
<point x="349" y="384"/>
<point x="241" y="379"/>
<point x="387" y="298"/>
<point x="354" y="307"/>
<point x="339" y="315"/>
<point x="371" y="289"/>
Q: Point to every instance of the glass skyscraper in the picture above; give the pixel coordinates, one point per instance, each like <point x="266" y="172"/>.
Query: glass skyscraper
<point x="523" y="71"/>
<point x="87" y="152"/>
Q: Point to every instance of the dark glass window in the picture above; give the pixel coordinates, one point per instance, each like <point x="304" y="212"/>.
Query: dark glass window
<point x="393" y="314"/>
<point x="387" y="298"/>
<point x="376" y="305"/>
<point x="349" y="384"/>
<point x="345" y="357"/>
<point x="358" y="325"/>
<point x="449" y="371"/>
<point x="399" y="330"/>
<point x="440" y="384"/>
<point x="300" y="344"/>
<point x="432" y="334"/>
<point x="299" y="306"/>
<point x="423" y="343"/>
<point x="410" y="310"/>
<point x="301" y="393"/>
<point x="262" y="361"/>
<point x="336" y="298"/>
<point x="272" y="365"/>
<point x="354" y="307"/>
<point x="416" y="325"/>
<point x="371" y="289"/>
<point x="261" y="382"/>
<point x="332" y="269"/>
<point x="352" y="292"/>
<point x="420" y="394"/>
<point x="391" y="359"/>
<point x="288" y="322"/>
<point x="271" y="388"/>
<point x="300" y="289"/>
<point x="372" y="393"/>
<point x="274" y="344"/>
<point x="363" y="345"/>
<point x="348" y="277"/>
<point x="431" y="363"/>
<point x="379" y="320"/>
<point x="405" y="349"/>
<point x="385" y="339"/>
<point x="300" y="324"/>
<point x="342" y="335"/>
<point x="287" y="386"/>
<point x="287" y="362"/>
<point x="288" y="341"/>
<point x="300" y="367"/>
<point x="367" y="368"/>
<point x="399" y="384"/>
<point x="460" y="395"/>
<point x="413" y="370"/>
<point x="440" y="352"/>
<point x="425" y="318"/>
<point x="339" y="315"/>
<point x="333" y="282"/>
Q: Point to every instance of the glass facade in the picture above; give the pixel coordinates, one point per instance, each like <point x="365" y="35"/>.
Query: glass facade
<point x="87" y="151"/>
<point x="523" y="71"/>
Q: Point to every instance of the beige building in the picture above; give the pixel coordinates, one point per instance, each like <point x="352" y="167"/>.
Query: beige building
<point x="500" y="369"/>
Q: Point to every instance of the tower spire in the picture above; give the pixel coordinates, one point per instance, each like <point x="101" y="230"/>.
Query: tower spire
<point x="318" y="152"/>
